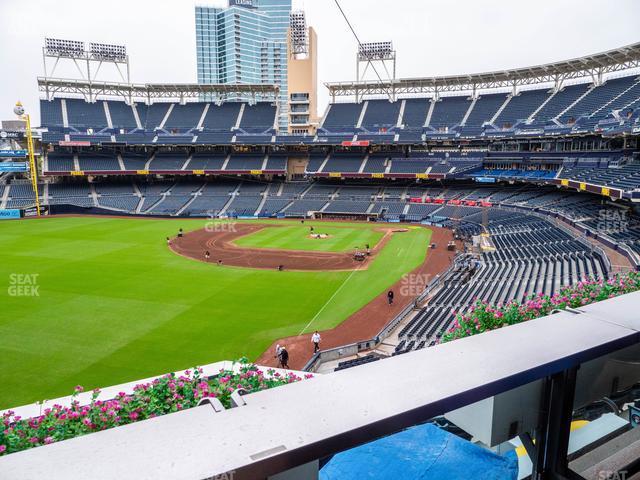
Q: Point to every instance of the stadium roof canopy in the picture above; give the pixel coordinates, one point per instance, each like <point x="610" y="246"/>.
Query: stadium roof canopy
<point x="148" y="91"/>
<point x="591" y="66"/>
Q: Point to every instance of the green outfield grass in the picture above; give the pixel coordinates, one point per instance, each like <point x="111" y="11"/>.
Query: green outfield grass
<point x="298" y="237"/>
<point x="114" y="304"/>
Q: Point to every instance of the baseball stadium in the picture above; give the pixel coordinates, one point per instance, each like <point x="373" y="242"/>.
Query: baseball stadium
<point x="431" y="278"/>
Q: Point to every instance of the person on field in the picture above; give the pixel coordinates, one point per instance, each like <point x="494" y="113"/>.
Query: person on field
<point x="315" y="339"/>
<point x="180" y="233"/>
<point x="284" y="357"/>
<point x="207" y="255"/>
<point x="390" y="297"/>
<point x="278" y="348"/>
<point x="168" y="241"/>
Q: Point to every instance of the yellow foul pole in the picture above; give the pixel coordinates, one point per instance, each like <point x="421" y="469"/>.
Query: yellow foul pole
<point x="32" y="164"/>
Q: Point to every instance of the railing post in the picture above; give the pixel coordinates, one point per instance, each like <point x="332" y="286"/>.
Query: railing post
<point x="552" y="436"/>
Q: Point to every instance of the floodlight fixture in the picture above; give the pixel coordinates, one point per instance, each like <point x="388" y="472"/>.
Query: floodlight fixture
<point x="64" y="48"/>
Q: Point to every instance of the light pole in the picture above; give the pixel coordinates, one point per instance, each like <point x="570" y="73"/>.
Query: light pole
<point x="19" y="111"/>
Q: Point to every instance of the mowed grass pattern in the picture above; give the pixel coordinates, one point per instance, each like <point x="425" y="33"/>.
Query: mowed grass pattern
<point x="115" y="304"/>
<point x="299" y="237"/>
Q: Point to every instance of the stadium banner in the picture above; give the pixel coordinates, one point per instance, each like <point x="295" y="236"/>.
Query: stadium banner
<point x="359" y="143"/>
<point x="64" y="143"/>
<point x="13" y="153"/>
<point x="11" y="134"/>
<point x="377" y="175"/>
<point x="583" y="186"/>
<point x="32" y="212"/>
<point x="606" y="192"/>
<point x="335" y="175"/>
<point x="485" y="179"/>
<point x="14" y="167"/>
<point x="564" y="183"/>
<point x="422" y="175"/>
<point x="77" y="173"/>
<point x="142" y="172"/>
<point x="198" y="172"/>
<point x="256" y="172"/>
<point x="9" y="214"/>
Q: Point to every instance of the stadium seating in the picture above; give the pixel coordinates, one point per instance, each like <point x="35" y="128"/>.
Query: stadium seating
<point x="221" y="117"/>
<point x="613" y="106"/>
<point x="206" y="161"/>
<point x="415" y="113"/>
<point x="342" y="117"/>
<point x="343" y="163"/>
<point x="532" y="255"/>
<point x="520" y="107"/>
<point x="98" y="162"/>
<point x="168" y="161"/>
<point x="245" y="162"/>
<point x="485" y="108"/>
<point x="51" y="112"/>
<point x="449" y="112"/>
<point x="380" y="115"/>
<point x="184" y="117"/>
<point x="60" y="162"/>
<point x="152" y="116"/>
<point x="258" y="118"/>
<point x="85" y="115"/>
<point x="122" y="116"/>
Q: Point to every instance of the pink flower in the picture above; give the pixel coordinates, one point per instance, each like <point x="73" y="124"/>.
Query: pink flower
<point x="3" y="448"/>
<point x="133" y="416"/>
<point x="78" y="389"/>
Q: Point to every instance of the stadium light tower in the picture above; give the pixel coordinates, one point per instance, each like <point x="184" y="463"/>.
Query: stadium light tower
<point x="33" y="170"/>
<point x="299" y="34"/>
<point x="88" y="60"/>
<point x="376" y="53"/>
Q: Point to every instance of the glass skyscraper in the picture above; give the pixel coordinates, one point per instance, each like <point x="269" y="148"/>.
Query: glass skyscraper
<point x="245" y="42"/>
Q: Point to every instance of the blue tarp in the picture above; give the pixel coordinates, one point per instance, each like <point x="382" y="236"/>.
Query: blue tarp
<point x="425" y="452"/>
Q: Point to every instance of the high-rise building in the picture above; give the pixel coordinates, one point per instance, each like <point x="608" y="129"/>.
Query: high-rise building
<point x="245" y="42"/>
<point x="302" y="71"/>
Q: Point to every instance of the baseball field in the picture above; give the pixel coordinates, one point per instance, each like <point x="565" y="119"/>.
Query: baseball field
<point x="100" y="301"/>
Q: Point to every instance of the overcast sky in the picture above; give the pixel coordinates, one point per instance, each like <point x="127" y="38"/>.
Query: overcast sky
<point x="432" y="37"/>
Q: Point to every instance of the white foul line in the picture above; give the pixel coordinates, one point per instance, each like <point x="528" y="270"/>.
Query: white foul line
<point x="340" y="288"/>
<point x="328" y="301"/>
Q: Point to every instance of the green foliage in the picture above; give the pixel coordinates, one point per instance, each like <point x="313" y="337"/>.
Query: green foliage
<point x="482" y="316"/>
<point x="167" y="394"/>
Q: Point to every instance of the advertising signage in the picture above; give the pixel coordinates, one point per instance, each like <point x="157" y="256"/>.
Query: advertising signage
<point x="13" y="153"/>
<point x="242" y="3"/>
<point x="14" y="167"/>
